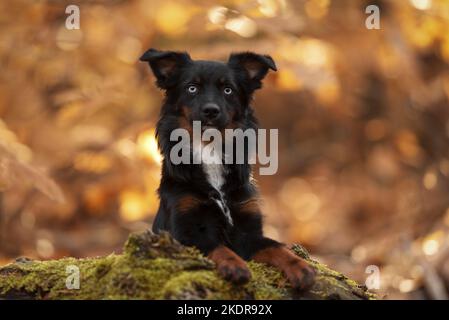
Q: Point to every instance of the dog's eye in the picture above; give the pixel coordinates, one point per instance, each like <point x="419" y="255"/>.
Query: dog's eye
<point x="192" y="89"/>
<point x="227" y="90"/>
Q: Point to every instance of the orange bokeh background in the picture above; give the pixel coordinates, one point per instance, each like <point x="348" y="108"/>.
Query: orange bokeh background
<point x="363" y="119"/>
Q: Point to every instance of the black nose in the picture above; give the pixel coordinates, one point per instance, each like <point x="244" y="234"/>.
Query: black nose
<point x="210" y="111"/>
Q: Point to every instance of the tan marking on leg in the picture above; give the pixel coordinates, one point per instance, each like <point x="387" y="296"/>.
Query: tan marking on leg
<point x="298" y="272"/>
<point x="187" y="203"/>
<point x="229" y="265"/>
<point x="250" y="206"/>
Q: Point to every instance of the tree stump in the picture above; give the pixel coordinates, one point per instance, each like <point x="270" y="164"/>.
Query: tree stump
<point x="158" y="267"/>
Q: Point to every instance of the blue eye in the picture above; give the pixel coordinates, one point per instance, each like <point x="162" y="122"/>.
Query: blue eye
<point x="227" y="90"/>
<point x="192" y="89"/>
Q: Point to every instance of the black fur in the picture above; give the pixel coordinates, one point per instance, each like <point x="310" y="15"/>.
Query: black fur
<point x="203" y="224"/>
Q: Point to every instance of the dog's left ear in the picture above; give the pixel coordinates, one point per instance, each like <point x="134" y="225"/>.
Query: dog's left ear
<point x="254" y="65"/>
<point x="165" y="64"/>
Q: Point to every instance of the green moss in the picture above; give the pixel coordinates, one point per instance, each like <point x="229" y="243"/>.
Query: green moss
<point x="331" y="284"/>
<point x="157" y="267"/>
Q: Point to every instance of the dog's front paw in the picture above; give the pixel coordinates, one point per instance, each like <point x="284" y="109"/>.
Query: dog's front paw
<point x="300" y="274"/>
<point x="234" y="271"/>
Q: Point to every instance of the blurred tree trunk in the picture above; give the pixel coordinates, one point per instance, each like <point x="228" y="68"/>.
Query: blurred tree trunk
<point x="158" y="267"/>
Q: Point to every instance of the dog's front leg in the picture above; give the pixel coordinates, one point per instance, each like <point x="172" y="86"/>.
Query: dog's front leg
<point x="195" y="224"/>
<point x="298" y="272"/>
<point x="229" y="265"/>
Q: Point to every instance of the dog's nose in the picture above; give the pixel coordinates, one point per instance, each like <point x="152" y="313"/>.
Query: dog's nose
<point x="210" y="111"/>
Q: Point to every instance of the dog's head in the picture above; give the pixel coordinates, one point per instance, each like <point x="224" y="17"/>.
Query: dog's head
<point x="215" y="93"/>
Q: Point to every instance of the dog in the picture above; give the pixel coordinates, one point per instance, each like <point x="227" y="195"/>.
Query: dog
<point x="215" y="208"/>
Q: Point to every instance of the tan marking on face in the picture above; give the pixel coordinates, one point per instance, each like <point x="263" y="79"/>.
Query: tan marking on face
<point x="184" y="120"/>
<point x="232" y="124"/>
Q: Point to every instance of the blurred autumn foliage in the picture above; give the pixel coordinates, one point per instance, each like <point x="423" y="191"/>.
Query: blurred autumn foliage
<point x="363" y="119"/>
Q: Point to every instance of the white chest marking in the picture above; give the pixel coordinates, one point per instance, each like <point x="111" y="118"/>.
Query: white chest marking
<point x="214" y="174"/>
<point x="214" y="170"/>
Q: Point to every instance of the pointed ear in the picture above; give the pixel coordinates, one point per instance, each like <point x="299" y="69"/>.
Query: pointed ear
<point x="165" y="64"/>
<point x="254" y="65"/>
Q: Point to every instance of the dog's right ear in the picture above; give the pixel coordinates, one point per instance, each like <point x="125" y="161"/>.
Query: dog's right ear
<point x="165" y="64"/>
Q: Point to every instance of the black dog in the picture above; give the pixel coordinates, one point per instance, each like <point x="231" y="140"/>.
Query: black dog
<point x="217" y="212"/>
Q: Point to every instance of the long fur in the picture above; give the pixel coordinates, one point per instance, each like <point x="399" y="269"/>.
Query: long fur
<point x="215" y="207"/>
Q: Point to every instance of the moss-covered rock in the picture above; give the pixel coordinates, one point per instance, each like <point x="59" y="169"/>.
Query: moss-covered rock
<point x="157" y="267"/>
